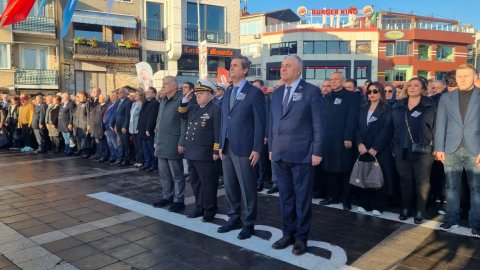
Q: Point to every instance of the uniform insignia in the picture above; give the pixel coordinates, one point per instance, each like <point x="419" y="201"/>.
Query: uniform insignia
<point x="416" y="114"/>
<point x="205" y="116"/>
<point x="241" y="96"/>
<point x="203" y="124"/>
<point x="337" y="101"/>
<point x="297" y="96"/>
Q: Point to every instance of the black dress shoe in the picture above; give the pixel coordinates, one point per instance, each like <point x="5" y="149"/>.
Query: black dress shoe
<point x="143" y="168"/>
<point x="347" y="206"/>
<point x="274" y="189"/>
<point x="404" y="214"/>
<point x="195" y="213"/>
<point x="283" y="242"/>
<point x="154" y="170"/>
<point x="117" y="163"/>
<point x="125" y="163"/>
<point x="229" y="227"/>
<point x="316" y="195"/>
<point x="176" y="207"/>
<point x="162" y="203"/>
<point x="246" y="232"/>
<point x="300" y="247"/>
<point x="328" y="201"/>
<point x="102" y="160"/>
<point x="259" y="187"/>
<point x="418" y="219"/>
<point x="208" y="218"/>
<point x="112" y="161"/>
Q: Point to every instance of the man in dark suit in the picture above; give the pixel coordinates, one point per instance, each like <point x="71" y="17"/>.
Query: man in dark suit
<point x="241" y="142"/>
<point x="98" y="128"/>
<point x="201" y="147"/>
<point x="38" y="124"/>
<point x="92" y="104"/>
<point x="457" y="145"/>
<point x="146" y="130"/>
<point x="110" y="133"/>
<point x="296" y="126"/>
<point x="80" y="120"/>
<point x="65" y="122"/>
<point x="120" y="123"/>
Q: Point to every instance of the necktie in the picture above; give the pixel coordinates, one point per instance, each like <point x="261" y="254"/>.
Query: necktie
<point x="233" y="96"/>
<point x="286" y="98"/>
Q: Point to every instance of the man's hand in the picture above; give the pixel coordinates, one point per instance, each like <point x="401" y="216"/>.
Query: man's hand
<point x="478" y="160"/>
<point x="316" y="160"/>
<point x="155" y="145"/>
<point x="124" y="130"/>
<point x="188" y="96"/>
<point x="220" y="153"/>
<point x="265" y="141"/>
<point x="348" y="144"/>
<point x="70" y="127"/>
<point x="254" y="156"/>
<point x="147" y="133"/>
<point x="181" y="149"/>
<point x="270" y="155"/>
<point x="362" y="149"/>
<point x="440" y="156"/>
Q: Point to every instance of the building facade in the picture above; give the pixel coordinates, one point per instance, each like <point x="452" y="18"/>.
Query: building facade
<point x="170" y="36"/>
<point x="29" y="59"/>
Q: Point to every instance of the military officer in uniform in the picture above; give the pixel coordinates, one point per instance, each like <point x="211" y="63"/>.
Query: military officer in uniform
<point x="201" y="147"/>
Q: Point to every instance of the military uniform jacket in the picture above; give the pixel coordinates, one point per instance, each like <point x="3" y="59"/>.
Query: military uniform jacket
<point x="203" y="130"/>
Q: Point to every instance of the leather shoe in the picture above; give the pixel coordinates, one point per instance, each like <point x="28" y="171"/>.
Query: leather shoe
<point x="195" y="213"/>
<point x="117" y="163"/>
<point x="283" y="242"/>
<point x="154" y="170"/>
<point x="259" y="187"/>
<point x="328" y="201"/>
<point x="347" y="206"/>
<point x="176" y="207"/>
<point x="207" y="218"/>
<point x="418" y="218"/>
<point x="162" y="203"/>
<point x="229" y="227"/>
<point x="404" y="214"/>
<point x="300" y="247"/>
<point x="274" y="189"/>
<point x="143" y="168"/>
<point x="125" y="163"/>
<point x="246" y="232"/>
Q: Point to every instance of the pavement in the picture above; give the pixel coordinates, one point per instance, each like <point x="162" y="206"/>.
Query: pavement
<point x="61" y="212"/>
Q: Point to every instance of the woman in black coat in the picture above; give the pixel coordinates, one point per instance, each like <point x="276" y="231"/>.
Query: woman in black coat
<point x="414" y="123"/>
<point x="373" y="139"/>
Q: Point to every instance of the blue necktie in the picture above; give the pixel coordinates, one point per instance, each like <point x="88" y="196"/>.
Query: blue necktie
<point x="233" y="96"/>
<point x="286" y="98"/>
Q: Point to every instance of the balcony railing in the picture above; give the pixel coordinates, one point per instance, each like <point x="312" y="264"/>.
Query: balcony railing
<point x="191" y="34"/>
<point x="153" y="33"/>
<point x="36" y="24"/>
<point x="36" y="77"/>
<point x="107" y="49"/>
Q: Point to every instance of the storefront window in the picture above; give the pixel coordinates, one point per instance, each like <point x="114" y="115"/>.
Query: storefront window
<point x="423" y="52"/>
<point x="88" y="30"/>
<point x="444" y="53"/>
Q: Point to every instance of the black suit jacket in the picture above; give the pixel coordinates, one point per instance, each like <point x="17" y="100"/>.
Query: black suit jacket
<point x="65" y="116"/>
<point x="39" y="116"/>
<point x="148" y="119"/>
<point x="121" y="119"/>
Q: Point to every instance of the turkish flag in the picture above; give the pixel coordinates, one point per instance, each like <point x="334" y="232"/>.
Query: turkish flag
<point x="222" y="76"/>
<point x="16" y="11"/>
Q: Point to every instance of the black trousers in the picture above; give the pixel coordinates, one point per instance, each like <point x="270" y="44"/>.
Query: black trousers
<point x="319" y="182"/>
<point x="204" y="181"/>
<point x="338" y="184"/>
<point x="372" y="199"/>
<point x="415" y="181"/>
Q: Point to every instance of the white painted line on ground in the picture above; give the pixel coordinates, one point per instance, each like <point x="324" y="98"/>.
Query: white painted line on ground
<point x="309" y="261"/>
<point x="431" y="224"/>
<point x="68" y="178"/>
<point x="27" y="254"/>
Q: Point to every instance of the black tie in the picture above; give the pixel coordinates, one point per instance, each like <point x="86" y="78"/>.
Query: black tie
<point x="286" y="99"/>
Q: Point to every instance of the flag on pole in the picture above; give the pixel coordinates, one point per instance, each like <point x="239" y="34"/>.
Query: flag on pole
<point x="40" y="7"/>
<point x="110" y="5"/>
<point x="67" y="16"/>
<point x="16" y="11"/>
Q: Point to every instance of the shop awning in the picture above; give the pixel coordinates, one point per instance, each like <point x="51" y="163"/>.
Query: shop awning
<point x="103" y="18"/>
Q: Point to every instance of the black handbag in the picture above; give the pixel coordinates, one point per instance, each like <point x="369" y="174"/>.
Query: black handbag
<point x="420" y="148"/>
<point x="367" y="174"/>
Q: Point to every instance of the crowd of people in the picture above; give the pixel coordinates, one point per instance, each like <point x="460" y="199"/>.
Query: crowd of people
<point x="295" y="138"/>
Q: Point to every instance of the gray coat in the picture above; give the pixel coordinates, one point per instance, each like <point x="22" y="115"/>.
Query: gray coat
<point x="170" y="128"/>
<point x="39" y="116"/>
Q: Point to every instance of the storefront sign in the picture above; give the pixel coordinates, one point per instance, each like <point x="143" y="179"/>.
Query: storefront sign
<point x="394" y="35"/>
<point x="211" y="51"/>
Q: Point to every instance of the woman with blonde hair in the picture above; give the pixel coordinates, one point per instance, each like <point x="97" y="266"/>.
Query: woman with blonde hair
<point x="133" y="126"/>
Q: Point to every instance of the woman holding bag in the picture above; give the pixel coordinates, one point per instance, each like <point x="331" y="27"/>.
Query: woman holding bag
<point x="414" y="123"/>
<point x="373" y="139"/>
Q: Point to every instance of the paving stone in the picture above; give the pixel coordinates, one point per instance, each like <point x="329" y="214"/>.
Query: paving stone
<point x="62" y="244"/>
<point x="36" y="230"/>
<point x="94" y="262"/>
<point x="26" y="255"/>
<point x="125" y="251"/>
<point x="13" y="219"/>
<point x="92" y="235"/>
<point x="25" y="224"/>
<point x="108" y="243"/>
<point x="76" y="253"/>
<point x="149" y="259"/>
<point x="135" y="235"/>
<point x="46" y="262"/>
<point x="118" y="266"/>
<point x="119" y="228"/>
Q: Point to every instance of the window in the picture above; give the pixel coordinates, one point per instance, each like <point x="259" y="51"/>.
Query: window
<point x="88" y="30"/>
<point x="274" y="74"/>
<point x="156" y="60"/>
<point x="440" y="75"/>
<point x="338" y="47"/>
<point x="423" y="52"/>
<point x="314" y="47"/>
<point x="212" y="19"/>
<point x="34" y="58"/>
<point x="255" y="71"/>
<point x="390" y="48"/>
<point x="250" y="28"/>
<point x="35" y="11"/>
<point x="86" y="80"/>
<point x="422" y="73"/>
<point x="251" y="49"/>
<point x="117" y="34"/>
<point x="361" y="72"/>
<point x="363" y="47"/>
<point x="401" y="48"/>
<point x="395" y="75"/>
<point x="445" y="53"/>
<point x="4" y="56"/>
<point x="154" y="21"/>
<point x="321" y="73"/>
<point x="283" y="48"/>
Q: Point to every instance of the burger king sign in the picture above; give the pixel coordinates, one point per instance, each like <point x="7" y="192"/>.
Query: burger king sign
<point x="302" y="11"/>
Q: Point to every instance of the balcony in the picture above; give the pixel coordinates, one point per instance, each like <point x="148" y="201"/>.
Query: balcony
<point x="106" y="52"/>
<point x="36" y="78"/>
<point x="191" y="34"/>
<point x="36" y="24"/>
<point x="153" y="30"/>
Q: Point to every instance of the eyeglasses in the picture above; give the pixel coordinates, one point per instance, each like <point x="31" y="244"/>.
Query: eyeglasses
<point x="388" y="91"/>
<point x="373" y="91"/>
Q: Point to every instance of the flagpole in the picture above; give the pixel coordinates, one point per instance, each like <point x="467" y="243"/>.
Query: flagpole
<point x="198" y="35"/>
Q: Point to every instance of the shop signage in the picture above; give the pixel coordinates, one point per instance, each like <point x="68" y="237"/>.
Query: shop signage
<point x="211" y="51"/>
<point x="394" y="35"/>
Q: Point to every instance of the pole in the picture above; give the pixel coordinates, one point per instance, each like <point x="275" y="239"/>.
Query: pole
<point x="198" y="35"/>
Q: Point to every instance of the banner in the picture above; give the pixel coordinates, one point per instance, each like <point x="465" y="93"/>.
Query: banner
<point x="144" y="75"/>
<point x="16" y="11"/>
<point x="222" y="76"/>
<point x="203" y="62"/>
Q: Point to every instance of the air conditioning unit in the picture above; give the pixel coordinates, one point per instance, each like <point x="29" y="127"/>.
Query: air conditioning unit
<point x="257" y="36"/>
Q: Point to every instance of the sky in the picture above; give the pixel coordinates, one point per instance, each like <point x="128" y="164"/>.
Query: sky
<point x="464" y="10"/>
